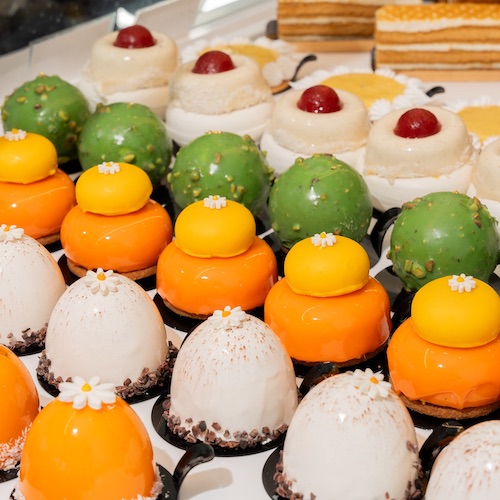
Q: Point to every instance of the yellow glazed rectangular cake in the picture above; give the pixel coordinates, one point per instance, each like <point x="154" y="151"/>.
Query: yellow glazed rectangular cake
<point x="439" y="36"/>
<point x="312" y="20"/>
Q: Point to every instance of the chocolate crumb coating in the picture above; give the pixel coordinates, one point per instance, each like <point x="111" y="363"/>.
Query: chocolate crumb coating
<point x="30" y="339"/>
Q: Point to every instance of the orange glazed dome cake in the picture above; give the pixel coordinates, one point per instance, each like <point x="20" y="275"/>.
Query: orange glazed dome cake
<point x="34" y="193"/>
<point x="216" y="259"/>
<point x="411" y="152"/>
<point x="238" y="356"/>
<point x="19" y="405"/>
<point x="381" y="90"/>
<point x="115" y="224"/>
<point x="351" y="437"/>
<point x="444" y="359"/>
<point x="107" y="325"/>
<point x="327" y="307"/>
<point x="88" y="443"/>
<point x="131" y="65"/>
<point x="31" y="283"/>
<point x="316" y="120"/>
<point x="218" y="91"/>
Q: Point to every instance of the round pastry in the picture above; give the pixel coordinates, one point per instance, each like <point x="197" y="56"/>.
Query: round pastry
<point x="107" y="325"/>
<point x="237" y="355"/>
<point x="381" y="90"/>
<point x="218" y="92"/>
<point x="440" y="234"/>
<point x="126" y="132"/>
<point x="274" y="57"/>
<point x="215" y="260"/>
<point x="19" y="406"/>
<point x="480" y="115"/>
<point x="115" y="225"/>
<point x="467" y="468"/>
<point x="104" y="446"/>
<point x="131" y="65"/>
<point x="327" y="307"/>
<point x="316" y="120"/>
<point x="444" y="359"/>
<point x="350" y="433"/>
<point x="51" y="107"/>
<point x="414" y="151"/>
<point x="224" y="163"/>
<point x="319" y="193"/>
<point x="31" y="283"/>
<point x="34" y="193"/>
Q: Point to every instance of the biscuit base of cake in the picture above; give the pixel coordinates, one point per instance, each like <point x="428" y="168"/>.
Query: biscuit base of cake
<point x="446" y="412"/>
<point x="81" y="271"/>
<point x="186" y="314"/>
<point x="47" y="240"/>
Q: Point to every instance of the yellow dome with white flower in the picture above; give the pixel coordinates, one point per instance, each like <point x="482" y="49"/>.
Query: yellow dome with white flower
<point x="327" y="265"/>
<point x="457" y="311"/>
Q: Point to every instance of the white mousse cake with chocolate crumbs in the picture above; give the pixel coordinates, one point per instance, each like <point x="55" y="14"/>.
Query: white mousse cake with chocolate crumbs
<point x="88" y="443"/>
<point x="106" y="324"/>
<point x="31" y="283"/>
<point x="233" y="383"/>
<point x="351" y="437"/>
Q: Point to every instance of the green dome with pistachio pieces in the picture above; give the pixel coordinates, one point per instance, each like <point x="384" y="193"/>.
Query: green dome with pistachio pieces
<point x="316" y="194"/>
<point x="51" y="107"/>
<point x="442" y="234"/>
<point x="129" y="133"/>
<point x="224" y="164"/>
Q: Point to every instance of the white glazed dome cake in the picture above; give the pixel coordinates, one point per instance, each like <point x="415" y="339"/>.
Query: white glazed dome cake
<point x="351" y="437"/>
<point x="31" y="283"/>
<point x="399" y="168"/>
<point x="237" y="99"/>
<point x="233" y="383"/>
<point x="299" y="129"/>
<point x="106" y="324"/>
<point x="87" y="443"/>
<point x="468" y="467"/>
<point x="19" y="405"/>
<point x="130" y="74"/>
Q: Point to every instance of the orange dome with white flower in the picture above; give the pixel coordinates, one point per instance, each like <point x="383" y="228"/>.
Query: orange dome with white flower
<point x="19" y="405"/>
<point x="88" y="444"/>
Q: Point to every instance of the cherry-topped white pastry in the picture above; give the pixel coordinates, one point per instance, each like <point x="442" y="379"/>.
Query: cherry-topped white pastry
<point x="131" y="65"/>
<point x="218" y="92"/>
<point x="316" y="120"/>
<point x="416" y="151"/>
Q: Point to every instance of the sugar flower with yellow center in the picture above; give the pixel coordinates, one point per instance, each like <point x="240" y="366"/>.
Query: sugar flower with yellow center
<point x="214" y="201"/>
<point x="229" y="317"/>
<point x="15" y="135"/>
<point x="101" y="281"/>
<point x="323" y="239"/>
<point x="108" y="168"/>
<point x="10" y="233"/>
<point x="371" y="383"/>
<point x="82" y="393"/>
<point x="461" y="283"/>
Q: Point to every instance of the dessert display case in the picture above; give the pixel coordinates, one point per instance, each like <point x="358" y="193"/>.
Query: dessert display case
<point x="247" y="474"/>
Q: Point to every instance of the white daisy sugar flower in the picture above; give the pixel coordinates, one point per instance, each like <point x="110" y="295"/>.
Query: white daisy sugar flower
<point x="10" y="233"/>
<point x="215" y="202"/>
<point x="108" y="168"/>
<point x="461" y="283"/>
<point x="101" y="281"/>
<point x="372" y="384"/>
<point x="82" y="393"/>
<point x="229" y="317"/>
<point x="323" y="239"/>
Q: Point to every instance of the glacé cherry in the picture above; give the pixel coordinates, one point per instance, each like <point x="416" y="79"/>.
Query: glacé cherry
<point x="213" y="61"/>
<point x="417" y="123"/>
<point x="319" y="99"/>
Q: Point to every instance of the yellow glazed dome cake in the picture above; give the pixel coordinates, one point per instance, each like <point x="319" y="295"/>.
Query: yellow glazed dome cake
<point x="218" y="92"/>
<point x="351" y="437"/>
<point x="216" y="259"/>
<point x="327" y="307"/>
<point x="238" y="356"/>
<point x="87" y="443"/>
<point x="115" y="225"/>
<point x="19" y="406"/>
<point x="107" y="325"/>
<point x="443" y="360"/>
<point x="131" y="65"/>
<point x="316" y="120"/>
<point x="34" y="193"/>
<point x="411" y="152"/>
<point x="31" y="283"/>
